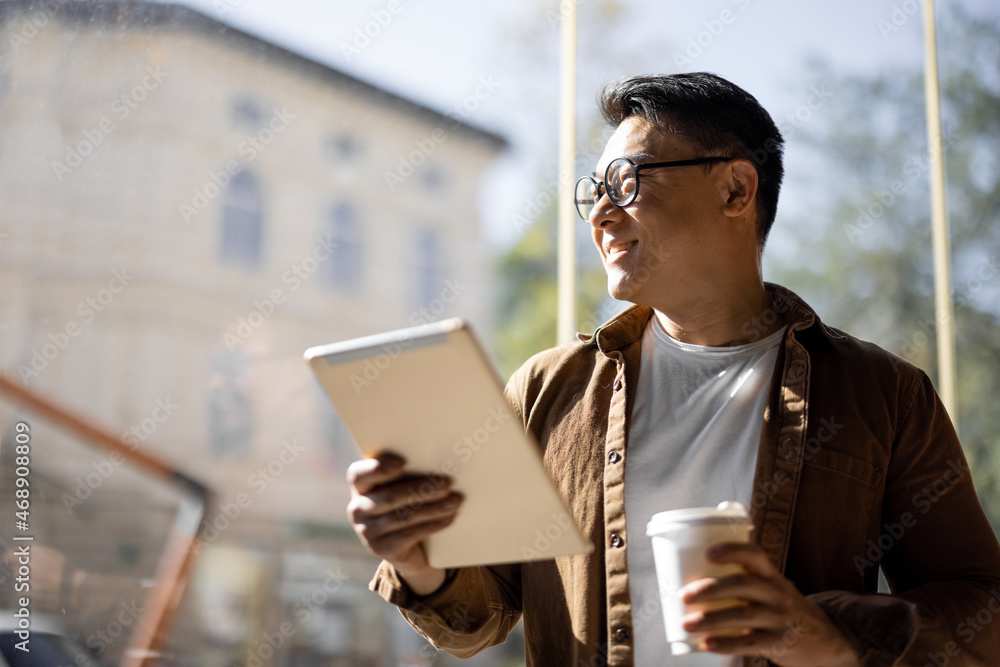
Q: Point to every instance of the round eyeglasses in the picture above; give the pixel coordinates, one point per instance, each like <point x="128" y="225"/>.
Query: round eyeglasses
<point x="621" y="182"/>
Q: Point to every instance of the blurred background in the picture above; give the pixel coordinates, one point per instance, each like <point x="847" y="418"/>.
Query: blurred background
<point x="193" y="193"/>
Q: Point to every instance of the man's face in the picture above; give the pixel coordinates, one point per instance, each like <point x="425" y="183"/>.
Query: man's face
<point x="662" y="245"/>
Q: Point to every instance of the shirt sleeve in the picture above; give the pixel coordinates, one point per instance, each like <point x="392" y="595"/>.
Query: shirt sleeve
<point x="940" y="555"/>
<point x="475" y="607"/>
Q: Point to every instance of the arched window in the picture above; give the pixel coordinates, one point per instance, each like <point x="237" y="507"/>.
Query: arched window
<point x="344" y="268"/>
<point x="241" y="223"/>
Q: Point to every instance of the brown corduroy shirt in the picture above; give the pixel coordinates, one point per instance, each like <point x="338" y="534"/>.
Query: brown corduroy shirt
<point x="858" y="466"/>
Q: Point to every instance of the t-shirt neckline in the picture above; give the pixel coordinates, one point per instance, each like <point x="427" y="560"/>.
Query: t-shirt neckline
<point x="663" y="338"/>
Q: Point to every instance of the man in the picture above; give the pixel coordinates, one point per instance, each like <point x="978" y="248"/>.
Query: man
<point x="713" y="387"/>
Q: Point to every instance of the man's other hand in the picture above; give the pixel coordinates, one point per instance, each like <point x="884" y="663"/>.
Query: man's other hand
<point x="392" y="512"/>
<point x="778" y="622"/>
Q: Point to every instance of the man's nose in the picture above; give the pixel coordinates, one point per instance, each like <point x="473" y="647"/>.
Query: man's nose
<point x="605" y="212"/>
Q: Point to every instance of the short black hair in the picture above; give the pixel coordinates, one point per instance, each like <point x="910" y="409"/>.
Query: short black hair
<point x="712" y="114"/>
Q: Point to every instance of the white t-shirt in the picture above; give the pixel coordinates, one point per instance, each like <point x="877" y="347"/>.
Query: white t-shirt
<point x="692" y="442"/>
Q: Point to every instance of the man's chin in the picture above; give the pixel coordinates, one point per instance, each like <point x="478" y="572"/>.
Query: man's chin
<point x="622" y="290"/>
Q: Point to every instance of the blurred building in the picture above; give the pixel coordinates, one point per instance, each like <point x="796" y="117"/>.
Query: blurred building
<point x="186" y="208"/>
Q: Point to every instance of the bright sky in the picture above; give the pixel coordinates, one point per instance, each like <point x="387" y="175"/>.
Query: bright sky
<point x="436" y="51"/>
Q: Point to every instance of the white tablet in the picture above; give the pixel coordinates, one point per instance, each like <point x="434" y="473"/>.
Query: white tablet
<point x="430" y="394"/>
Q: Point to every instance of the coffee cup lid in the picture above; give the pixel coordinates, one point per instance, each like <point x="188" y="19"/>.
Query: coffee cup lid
<point x="726" y="512"/>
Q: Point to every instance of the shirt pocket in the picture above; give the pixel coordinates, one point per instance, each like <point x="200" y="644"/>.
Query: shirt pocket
<point x="828" y="465"/>
<point x="837" y="509"/>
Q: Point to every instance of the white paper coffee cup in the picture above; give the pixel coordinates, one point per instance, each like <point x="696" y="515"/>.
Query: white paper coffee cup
<point x="680" y="538"/>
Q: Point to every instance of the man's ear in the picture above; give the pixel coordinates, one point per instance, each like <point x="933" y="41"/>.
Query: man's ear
<point x="738" y="187"/>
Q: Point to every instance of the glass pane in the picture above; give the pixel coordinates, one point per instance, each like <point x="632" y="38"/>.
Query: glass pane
<point x="89" y="540"/>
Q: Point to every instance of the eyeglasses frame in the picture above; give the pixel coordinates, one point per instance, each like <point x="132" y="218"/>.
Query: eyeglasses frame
<point x="603" y="190"/>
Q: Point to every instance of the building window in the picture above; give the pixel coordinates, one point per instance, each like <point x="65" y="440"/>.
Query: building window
<point x="342" y="147"/>
<point x="433" y="178"/>
<point x="249" y="113"/>
<point x="429" y="276"/>
<point x="344" y="268"/>
<point x="241" y="223"/>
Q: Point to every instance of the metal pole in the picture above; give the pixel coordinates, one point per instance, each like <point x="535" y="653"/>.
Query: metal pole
<point x="566" y="323"/>
<point x="943" y="309"/>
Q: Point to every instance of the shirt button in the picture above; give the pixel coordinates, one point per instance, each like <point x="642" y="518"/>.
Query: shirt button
<point x="614" y="456"/>
<point x="621" y="635"/>
<point x="618" y="385"/>
<point x="616" y="540"/>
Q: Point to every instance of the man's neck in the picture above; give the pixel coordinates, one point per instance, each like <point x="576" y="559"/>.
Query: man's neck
<point x="722" y="320"/>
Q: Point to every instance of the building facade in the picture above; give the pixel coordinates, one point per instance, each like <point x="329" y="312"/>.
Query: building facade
<point x="187" y="208"/>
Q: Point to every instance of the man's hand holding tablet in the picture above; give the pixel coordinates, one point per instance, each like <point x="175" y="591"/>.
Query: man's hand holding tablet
<point x="389" y="522"/>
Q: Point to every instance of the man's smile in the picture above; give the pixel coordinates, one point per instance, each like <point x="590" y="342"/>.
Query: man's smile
<point x="617" y="247"/>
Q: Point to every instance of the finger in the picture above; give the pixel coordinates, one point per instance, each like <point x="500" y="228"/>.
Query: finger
<point x="378" y="526"/>
<point x="366" y="474"/>
<point x="738" y="617"/>
<point x="403" y="496"/>
<point x="399" y="544"/>
<point x="756" y="642"/>
<point x="410" y="492"/>
<point x="742" y="586"/>
<point x="747" y="554"/>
